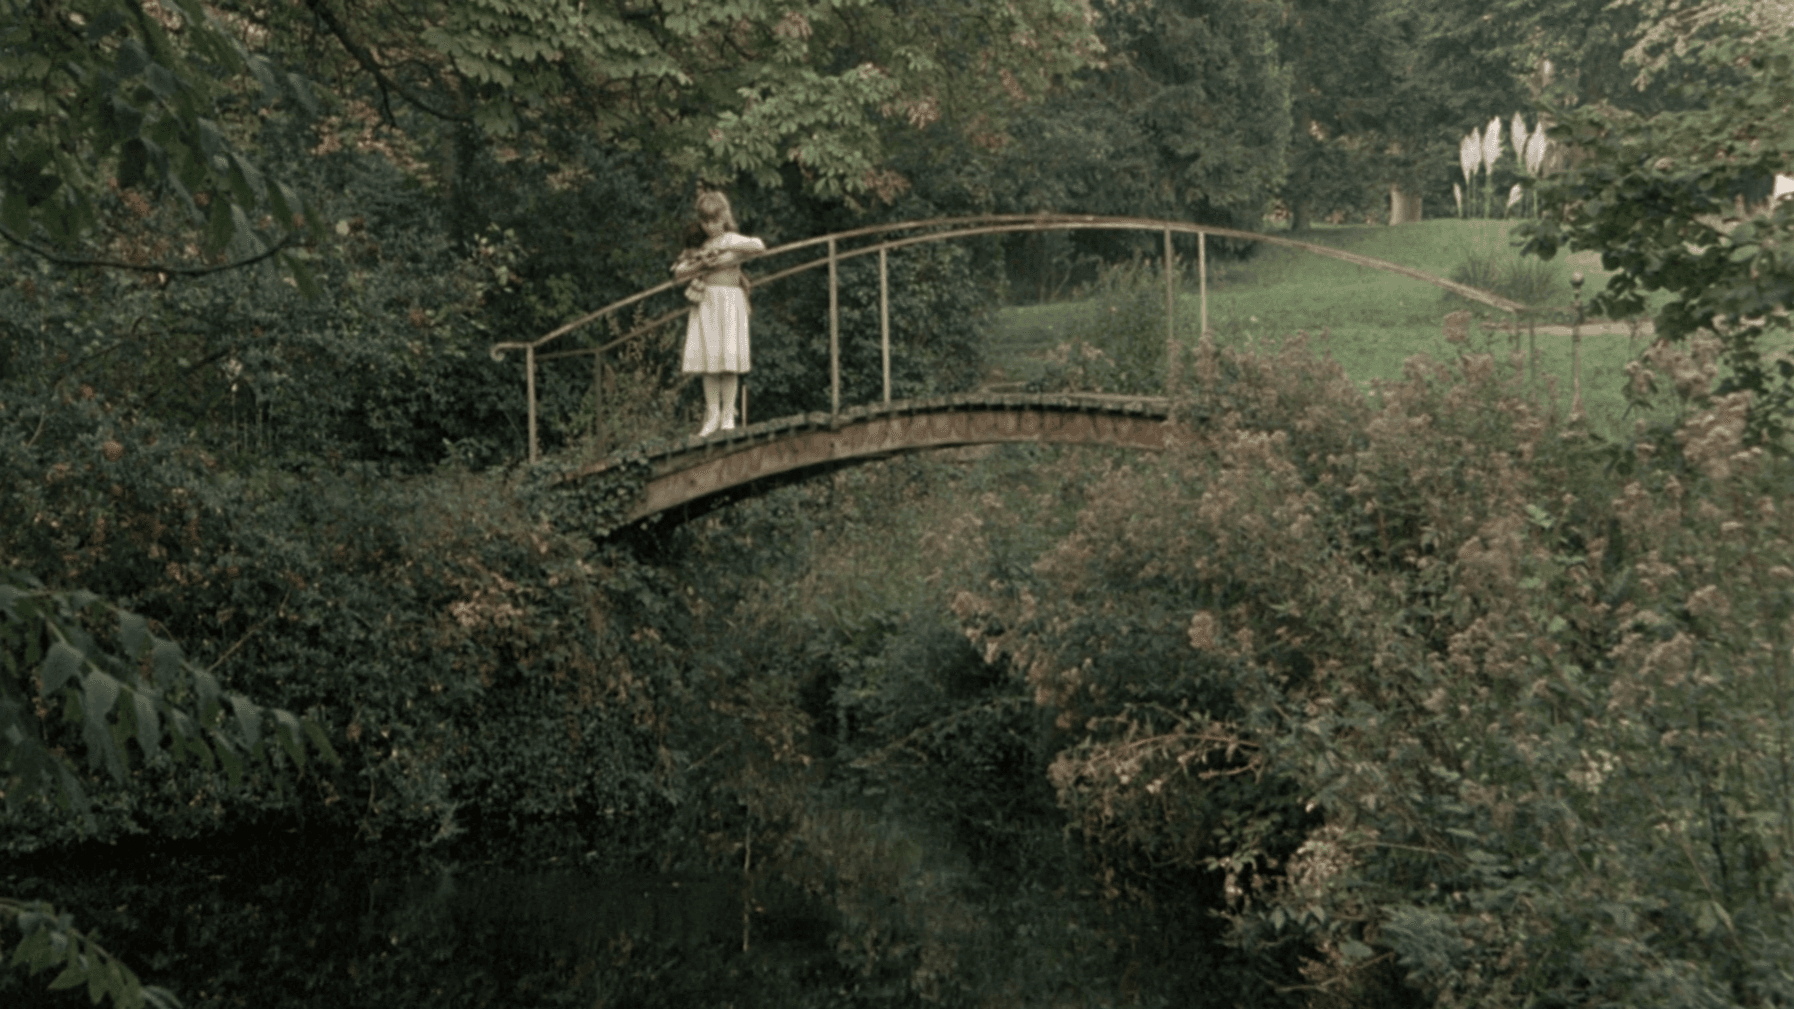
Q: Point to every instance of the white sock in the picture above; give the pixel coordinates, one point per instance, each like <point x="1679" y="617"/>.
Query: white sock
<point x="731" y="383"/>
<point x="713" y="399"/>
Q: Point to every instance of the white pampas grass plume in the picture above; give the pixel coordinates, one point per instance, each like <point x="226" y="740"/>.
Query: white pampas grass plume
<point x="1513" y="196"/>
<point x="1470" y="154"/>
<point x="1492" y="144"/>
<point x="1516" y="136"/>
<point x="1457" y="193"/>
<point x="1535" y="150"/>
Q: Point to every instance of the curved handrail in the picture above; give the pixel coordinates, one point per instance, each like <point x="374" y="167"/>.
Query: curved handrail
<point x="998" y="224"/>
<point x="981" y="224"/>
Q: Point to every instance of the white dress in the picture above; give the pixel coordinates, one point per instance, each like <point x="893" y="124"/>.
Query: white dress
<point x="716" y="334"/>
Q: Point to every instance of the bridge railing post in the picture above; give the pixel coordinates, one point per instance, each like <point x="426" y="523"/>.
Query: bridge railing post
<point x="1202" y="272"/>
<point x="598" y="395"/>
<point x="530" y="388"/>
<point x="1170" y="319"/>
<point x="884" y="321"/>
<point x="834" y="333"/>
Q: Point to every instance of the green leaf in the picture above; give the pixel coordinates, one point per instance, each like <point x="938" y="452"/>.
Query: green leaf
<point x="100" y="694"/>
<point x="249" y="719"/>
<point x="239" y="183"/>
<point x="300" y="89"/>
<point x="130" y="994"/>
<point x="98" y="980"/>
<point x="34" y="949"/>
<point x="211" y="141"/>
<point x="126" y="118"/>
<point x="149" y="725"/>
<point x="60" y="665"/>
<point x="263" y="73"/>
<point x="189" y="740"/>
<point x="243" y="234"/>
<point x="282" y="201"/>
<point x="318" y="739"/>
<point x="133" y="634"/>
<point x="71" y="976"/>
<point x="160" y="80"/>
<point x="165" y="660"/>
<point x="292" y="740"/>
<point x="233" y="764"/>
<point x="1355" y="951"/>
<point x="74" y="797"/>
<point x="218" y="226"/>
<point x="207" y="686"/>
<point x="131" y="57"/>
<point x="302" y="276"/>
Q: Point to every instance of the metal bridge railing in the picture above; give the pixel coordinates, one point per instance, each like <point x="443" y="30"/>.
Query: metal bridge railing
<point x="917" y="232"/>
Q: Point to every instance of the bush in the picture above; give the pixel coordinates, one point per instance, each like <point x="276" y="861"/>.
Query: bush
<point x="1118" y="344"/>
<point x="1534" y="686"/>
<point x="1527" y="281"/>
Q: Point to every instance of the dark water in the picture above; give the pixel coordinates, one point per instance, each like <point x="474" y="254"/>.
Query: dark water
<point x="283" y="929"/>
<point x="576" y="910"/>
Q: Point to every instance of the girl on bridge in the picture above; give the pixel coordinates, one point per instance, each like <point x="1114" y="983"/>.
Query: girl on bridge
<point x="716" y="335"/>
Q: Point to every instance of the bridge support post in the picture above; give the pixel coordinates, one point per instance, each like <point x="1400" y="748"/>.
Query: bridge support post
<point x="1202" y="272"/>
<point x="597" y="392"/>
<point x="530" y="387"/>
<point x="834" y="334"/>
<point x="1170" y="319"/>
<point x="884" y="320"/>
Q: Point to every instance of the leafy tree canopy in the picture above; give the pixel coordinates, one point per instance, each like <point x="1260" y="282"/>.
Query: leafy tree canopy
<point x="99" y="96"/>
<point x="1659" y="195"/>
<point x="111" y="94"/>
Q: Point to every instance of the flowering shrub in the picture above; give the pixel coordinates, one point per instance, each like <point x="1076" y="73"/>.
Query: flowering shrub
<point x="1439" y="693"/>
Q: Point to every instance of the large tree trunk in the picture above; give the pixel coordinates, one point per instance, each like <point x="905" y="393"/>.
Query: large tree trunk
<point x="1403" y="208"/>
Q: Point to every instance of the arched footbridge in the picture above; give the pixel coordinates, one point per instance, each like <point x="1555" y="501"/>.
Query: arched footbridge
<point x="688" y="477"/>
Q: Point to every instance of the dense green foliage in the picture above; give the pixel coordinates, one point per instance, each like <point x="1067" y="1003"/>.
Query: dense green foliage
<point x="44" y="639"/>
<point x="1535" y="686"/>
<point x="1658" y="197"/>
<point x="1343" y="699"/>
<point x="1382" y="89"/>
<point x="101" y="96"/>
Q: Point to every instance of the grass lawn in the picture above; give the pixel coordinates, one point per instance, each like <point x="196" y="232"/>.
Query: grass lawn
<point x="1373" y="320"/>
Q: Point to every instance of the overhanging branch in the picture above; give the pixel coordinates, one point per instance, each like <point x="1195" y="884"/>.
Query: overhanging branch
<point x="173" y="271"/>
<point x="362" y="56"/>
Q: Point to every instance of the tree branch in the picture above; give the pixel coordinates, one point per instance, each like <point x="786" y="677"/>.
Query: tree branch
<point x="176" y="271"/>
<point x="366" y="59"/>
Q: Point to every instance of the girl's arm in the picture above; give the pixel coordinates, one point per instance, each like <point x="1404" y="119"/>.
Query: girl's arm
<point x="730" y="246"/>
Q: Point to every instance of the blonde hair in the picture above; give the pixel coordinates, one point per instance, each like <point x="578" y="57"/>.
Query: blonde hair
<point x="714" y="206"/>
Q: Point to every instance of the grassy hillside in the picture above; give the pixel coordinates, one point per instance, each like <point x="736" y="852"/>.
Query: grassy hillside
<point x="1370" y="321"/>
